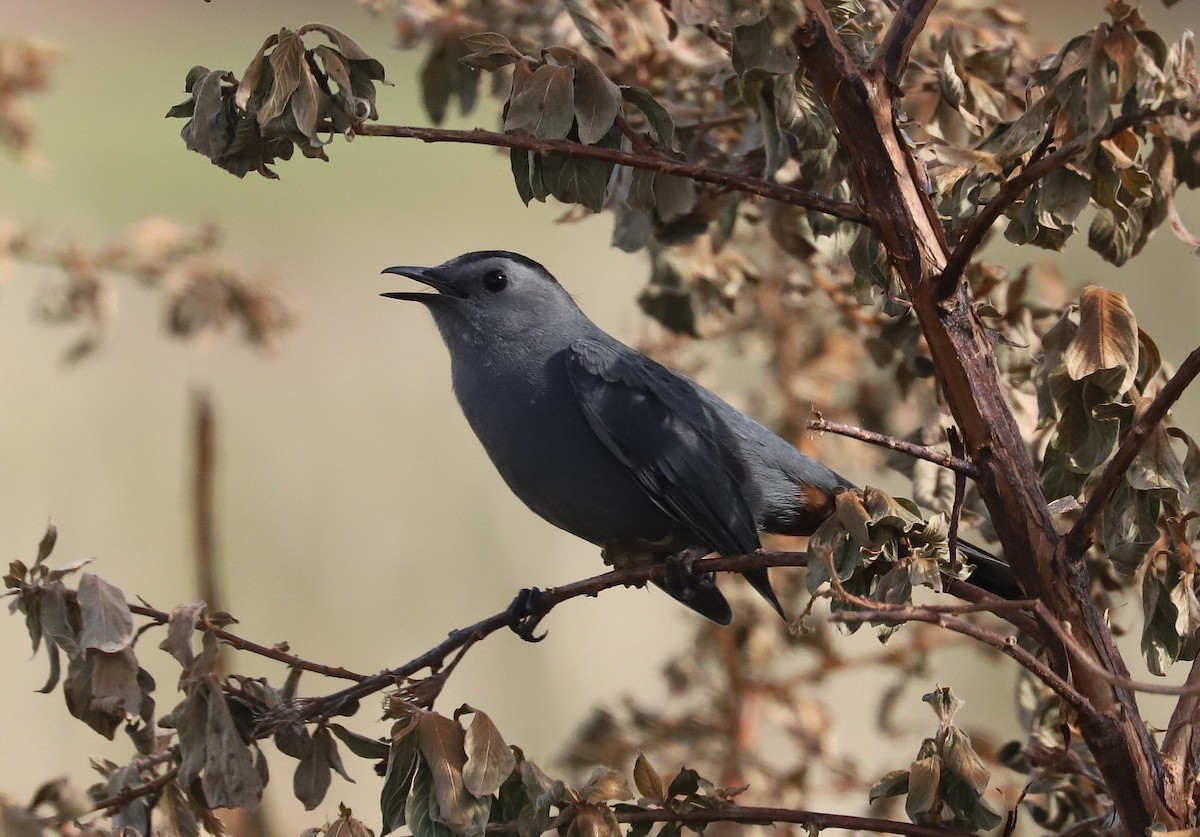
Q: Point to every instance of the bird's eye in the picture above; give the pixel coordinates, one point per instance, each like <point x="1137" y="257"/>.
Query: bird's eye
<point x="495" y="281"/>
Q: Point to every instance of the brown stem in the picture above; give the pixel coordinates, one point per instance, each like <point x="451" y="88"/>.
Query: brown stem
<point x="977" y="228"/>
<point x="816" y="820"/>
<point x="242" y="644"/>
<point x="888" y="183"/>
<point x="1005" y="644"/>
<point x="1177" y="749"/>
<point x="912" y="449"/>
<point x="203" y="491"/>
<point x="652" y="162"/>
<point x="315" y="708"/>
<point x="124" y="797"/>
<point x="1080" y="536"/>
<point x="908" y="22"/>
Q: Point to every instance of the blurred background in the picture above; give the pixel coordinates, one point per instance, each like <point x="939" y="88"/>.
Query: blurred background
<point x="357" y="517"/>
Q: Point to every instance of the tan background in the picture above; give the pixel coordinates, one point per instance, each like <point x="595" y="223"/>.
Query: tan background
<point x="358" y="517"/>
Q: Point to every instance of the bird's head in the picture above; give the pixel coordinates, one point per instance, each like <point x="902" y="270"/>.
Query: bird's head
<point x="490" y="296"/>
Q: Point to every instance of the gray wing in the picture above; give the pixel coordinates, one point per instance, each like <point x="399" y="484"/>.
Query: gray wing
<point x="662" y="431"/>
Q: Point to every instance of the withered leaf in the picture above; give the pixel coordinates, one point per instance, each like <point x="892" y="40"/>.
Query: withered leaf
<point x="1107" y="338"/>
<point x="592" y="820"/>
<point x="489" y="759"/>
<point x="924" y="777"/>
<point x="961" y="759"/>
<point x="115" y="687"/>
<point x="397" y="782"/>
<point x="660" y="121"/>
<point x="892" y="784"/>
<point x="605" y="785"/>
<point x="314" y="773"/>
<point x="59" y="617"/>
<point x="422" y="805"/>
<point x="287" y="66"/>
<point x="597" y="99"/>
<point x="347" y="826"/>
<point x="77" y="688"/>
<point x="361" y="745"/>
<point x="107" y="624"/>
<point x="346" y="45"/>
<point x="180" y="627"/>
<point x="46" y="545"/>
<point x="230" y="779"/>
<point x="441" y="741"/>
<point x="544" y="105"/>
<point x="587" y="24"/>
<point x="648" y="782"/>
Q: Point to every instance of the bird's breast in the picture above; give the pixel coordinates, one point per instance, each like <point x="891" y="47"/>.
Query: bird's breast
<point x="528" y="419"/>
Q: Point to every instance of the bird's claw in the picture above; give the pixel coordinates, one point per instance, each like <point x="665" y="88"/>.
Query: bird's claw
<point x="526" y="613"/>
<point x="680" y="575"/>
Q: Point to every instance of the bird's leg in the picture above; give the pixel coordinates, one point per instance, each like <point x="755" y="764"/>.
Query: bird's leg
<point x="526" y="613"/>
<point x="680" y="576"/>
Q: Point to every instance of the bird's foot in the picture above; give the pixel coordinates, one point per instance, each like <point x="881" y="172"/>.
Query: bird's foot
<point x="526" y="613"/>
<point x="680" y="576"/>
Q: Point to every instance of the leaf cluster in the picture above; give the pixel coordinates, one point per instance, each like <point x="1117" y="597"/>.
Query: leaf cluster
<point x="203" y="293"/>
<point x="945" y="783"/>
<point x="25" y="68"/>
<point x="288" y="95"/>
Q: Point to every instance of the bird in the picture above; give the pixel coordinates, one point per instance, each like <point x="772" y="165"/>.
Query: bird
<point x="614" y="447"/>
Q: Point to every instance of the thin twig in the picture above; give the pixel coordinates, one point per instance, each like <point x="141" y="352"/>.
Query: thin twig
<point x="871" y="610"/>
<point x="653" y="162"/>
<point x="1078" y="654"/>
<point x="1080" y="536"/>
<point x="977" y="228"/>
<point x="907" y="24"/>
<point x="127" y="795"/>
<point x="242" y="644"/>
<point x="1005" y="644"/>
<point x="817" y="820"/>
<point x="912" y="449"/>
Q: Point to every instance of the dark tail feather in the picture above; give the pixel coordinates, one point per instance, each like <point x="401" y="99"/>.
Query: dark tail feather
<point x="991" y="573"/>
<point x="761" y="582"/>
<point x="701" y="594"/>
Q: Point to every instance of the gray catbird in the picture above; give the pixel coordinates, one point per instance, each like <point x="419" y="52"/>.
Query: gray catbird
<point x="613" y="447"/>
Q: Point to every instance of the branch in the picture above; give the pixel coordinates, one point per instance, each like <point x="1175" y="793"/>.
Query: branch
<point x="912" y="449"/>
<point x="1005" y="644"/>
<point x="1177" y="749"/>
<point x="127" y="795"/>
<point x="270" y="652"/>
<point x="977" y="228"/>
<point x="651" y="162"/>
<point x="323" y="707"/>
<point x="907" y="24"/>
<point x="1080" y="536"/>
<point x="816" y="820"/>
<point x="545" y="601"/>
<point x="890" y="190"/>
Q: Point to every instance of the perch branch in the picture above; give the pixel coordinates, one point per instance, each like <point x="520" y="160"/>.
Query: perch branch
<point x="321" y="707"/>
<point x="816" y="820"/>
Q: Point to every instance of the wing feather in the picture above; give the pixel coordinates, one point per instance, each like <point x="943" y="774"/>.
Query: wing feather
<point x="668" y="437"/>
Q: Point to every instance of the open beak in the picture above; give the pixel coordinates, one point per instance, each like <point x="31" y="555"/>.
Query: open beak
<point x="427" y="276"/>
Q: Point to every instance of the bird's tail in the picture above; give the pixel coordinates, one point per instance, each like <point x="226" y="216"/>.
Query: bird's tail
<point x="699" y="591"/>
<point x="992" y="573"/>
